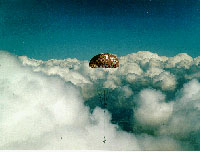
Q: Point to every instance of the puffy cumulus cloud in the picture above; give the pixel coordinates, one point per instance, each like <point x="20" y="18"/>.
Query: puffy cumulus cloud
<point x="185" y="120"/>
<point x="152" y="103"/>
<point x="165" y="81"/>
<point x="112" y="81"/>
<point x="152" y="110"/>
<point x="37" y="110"/>
<point x="130" y="68"/>
<point x="160" y="143"/>
<point x="182" y="60"/>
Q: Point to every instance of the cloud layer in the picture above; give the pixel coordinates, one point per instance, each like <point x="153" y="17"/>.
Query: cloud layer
<point x="153" y="103"/>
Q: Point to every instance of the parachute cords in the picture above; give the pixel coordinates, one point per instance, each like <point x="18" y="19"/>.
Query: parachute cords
<point x="104" y="141"/>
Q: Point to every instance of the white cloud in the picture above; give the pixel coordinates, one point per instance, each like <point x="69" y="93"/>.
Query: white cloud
<point x="165" y="81"/>
<point x="179" y="61"/>
<point x="152" y="110"/>
<point x="185" y="120"/>
<point x="42" y="101"/>
<point x="39" y="110"/>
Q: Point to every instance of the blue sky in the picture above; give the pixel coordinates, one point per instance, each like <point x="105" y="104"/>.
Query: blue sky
<point x="83" y="28"/>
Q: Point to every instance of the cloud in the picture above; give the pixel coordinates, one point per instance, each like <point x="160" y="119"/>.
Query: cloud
<point x="152" y="103"/>
<point x="185" y="121"/>
<point x="152" y="110"/>
<point x="37" y="110"/>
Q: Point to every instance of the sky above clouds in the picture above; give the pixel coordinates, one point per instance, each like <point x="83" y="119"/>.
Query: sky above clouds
<point x="83" y="28"/>
<point x="152" y="103"/>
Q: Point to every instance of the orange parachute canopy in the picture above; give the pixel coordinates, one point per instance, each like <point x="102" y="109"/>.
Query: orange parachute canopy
<point x="104" y="60"/>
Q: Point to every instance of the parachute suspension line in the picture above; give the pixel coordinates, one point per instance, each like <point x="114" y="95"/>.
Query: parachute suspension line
<point x="104" y="106"/>
<point x="104" y="60"/>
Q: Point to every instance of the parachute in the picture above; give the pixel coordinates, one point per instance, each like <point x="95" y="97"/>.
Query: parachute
<point x="104" y="60"/>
